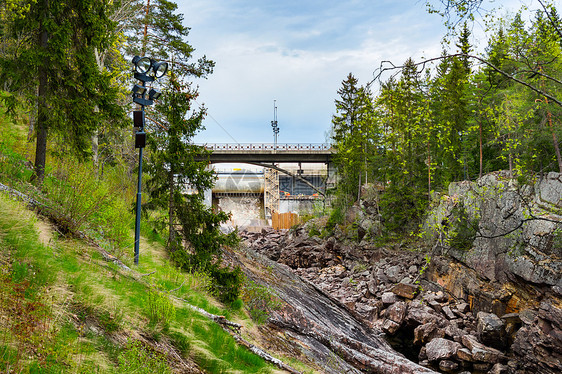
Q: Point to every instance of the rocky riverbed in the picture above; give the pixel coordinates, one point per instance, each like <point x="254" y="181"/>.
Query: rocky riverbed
<point x="407" y="299"/>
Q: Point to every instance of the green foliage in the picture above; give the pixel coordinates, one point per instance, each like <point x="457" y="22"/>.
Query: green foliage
<point x="161" y="311"/>
<point x="402" y="208"/>
<point x="228" y="283"/>
<point x="56" y="68"/>
<point x="172" y="165"/>
<point x="354" y="134"/>
<point x="260" y="301"/>
<point x="83" y="201"/>
<point x="137" y="358"/>
<point x="457" y="122"/>
<point x="337" y="215"/>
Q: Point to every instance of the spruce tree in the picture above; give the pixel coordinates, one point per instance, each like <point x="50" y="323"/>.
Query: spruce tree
<point x="176" y="165"/>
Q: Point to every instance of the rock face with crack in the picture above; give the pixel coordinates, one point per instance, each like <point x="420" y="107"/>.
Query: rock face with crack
<point x="324" y="329"/>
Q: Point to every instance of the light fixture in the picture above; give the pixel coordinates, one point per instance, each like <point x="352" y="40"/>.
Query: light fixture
<point x="159" y="68"/>
<point x="142" y="64"/>
<point x="138" y="89"/>
<point x="154" y="94"/>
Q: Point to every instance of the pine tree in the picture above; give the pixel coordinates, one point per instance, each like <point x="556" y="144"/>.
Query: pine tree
<point x="353" y="129"/>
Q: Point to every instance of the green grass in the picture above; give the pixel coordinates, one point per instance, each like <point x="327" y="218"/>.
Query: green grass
<point x="115" y="301"/>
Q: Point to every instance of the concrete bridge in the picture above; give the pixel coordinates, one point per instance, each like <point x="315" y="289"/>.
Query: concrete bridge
<point x="253" y="153"/>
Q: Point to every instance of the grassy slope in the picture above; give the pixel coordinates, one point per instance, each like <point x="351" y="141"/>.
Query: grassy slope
<point x="64" y="309"/>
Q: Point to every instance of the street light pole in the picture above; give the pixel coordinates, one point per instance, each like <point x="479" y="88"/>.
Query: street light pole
<point x="143" y="66"/>
<point x="139" y="183"/>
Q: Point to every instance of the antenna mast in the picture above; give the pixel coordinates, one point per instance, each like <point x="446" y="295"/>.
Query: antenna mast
<point x="274" y="125"/>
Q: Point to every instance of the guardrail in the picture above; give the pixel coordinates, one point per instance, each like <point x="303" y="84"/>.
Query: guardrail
<point x="267" y="147"/>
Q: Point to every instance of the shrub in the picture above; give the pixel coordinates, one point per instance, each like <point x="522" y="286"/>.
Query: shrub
<point x="136" y="358"/>
<point x="160" y="308"/>
<point x="228" y="283"/>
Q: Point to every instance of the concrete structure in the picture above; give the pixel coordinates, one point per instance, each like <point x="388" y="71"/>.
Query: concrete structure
<point x="269" y="153"/>
<point x="295" y="176"/>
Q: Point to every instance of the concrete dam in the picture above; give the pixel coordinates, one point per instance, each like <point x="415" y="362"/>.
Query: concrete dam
<point x="254" y="195"/>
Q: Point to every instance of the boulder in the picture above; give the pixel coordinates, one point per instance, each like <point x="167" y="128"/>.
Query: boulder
<point x="465" y="354"/>
<point x="448" y="365"/>
<point x="448" y="312"/>
<point x="405" y="290"/>
<point x="441" y="349"/>
<point x="427" y="332"/>
<point x="538" y="343"/>
<point x="480" y="352"/>
<point x="388" y="298"/>
<point x="491" y="330"/>
<point x="397" y="312"/>
<point x="499" y="369"/>
<point x="393" y="273"/>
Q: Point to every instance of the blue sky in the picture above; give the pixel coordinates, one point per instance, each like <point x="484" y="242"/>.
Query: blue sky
<point x="297" y="53"/>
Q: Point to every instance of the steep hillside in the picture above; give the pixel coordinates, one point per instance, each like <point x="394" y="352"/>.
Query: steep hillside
<point x="66" y="305"/>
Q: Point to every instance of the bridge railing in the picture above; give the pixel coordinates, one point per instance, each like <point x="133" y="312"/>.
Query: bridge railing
<point x="267" y="147"/>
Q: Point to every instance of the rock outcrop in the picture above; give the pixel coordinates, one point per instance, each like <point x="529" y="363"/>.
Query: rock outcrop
<point x="320" y="327"/>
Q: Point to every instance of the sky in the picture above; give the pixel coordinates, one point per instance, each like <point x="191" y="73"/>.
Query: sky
<point x="296" y="53"/>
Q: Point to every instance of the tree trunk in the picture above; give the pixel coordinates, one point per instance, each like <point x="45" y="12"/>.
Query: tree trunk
<point x="41" y="145"/>
<point x="480" y="141"/>
<point x="95" y="151"/>
<point x="171" y="230"/>
<point x="554" y="138"/>
<point x="428" y="172"/>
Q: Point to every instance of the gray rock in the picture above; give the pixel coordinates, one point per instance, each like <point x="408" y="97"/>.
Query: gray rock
<point x="427" y="332"/>
<point x="448" y="365"/>
<point x="448" y="312"/>
<point x="480" y="352"/>
<point x="463" y="307"/>
<point x="397" y="312"/>
<point x="499" y="369"/>
<point x="491" y="330"/>
<point x="441" y="349"/>
<point x="388" y="298"/>
<point x="393" y="273"/>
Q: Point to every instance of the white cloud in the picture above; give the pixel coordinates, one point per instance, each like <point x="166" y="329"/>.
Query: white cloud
<point x="298" y="53"/>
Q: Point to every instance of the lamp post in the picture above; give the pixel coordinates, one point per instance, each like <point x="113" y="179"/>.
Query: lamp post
<point x="274" y="125"/>
<point x="143" y="68"/>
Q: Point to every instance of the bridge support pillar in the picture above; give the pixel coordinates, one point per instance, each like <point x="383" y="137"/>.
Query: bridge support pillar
<point x="331" y="175"/>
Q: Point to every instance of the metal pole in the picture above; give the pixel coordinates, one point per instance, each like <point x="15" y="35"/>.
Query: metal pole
<point x="139" y="194"/>
<point x="138" y="215"/>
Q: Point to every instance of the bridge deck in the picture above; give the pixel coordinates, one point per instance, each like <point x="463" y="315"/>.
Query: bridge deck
<point x="252" y="153"/>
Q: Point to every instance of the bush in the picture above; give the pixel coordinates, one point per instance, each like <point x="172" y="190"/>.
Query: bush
<point x="136" y="358"/>
<point x="228" y="283"/>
